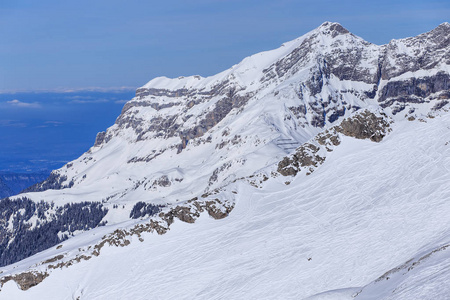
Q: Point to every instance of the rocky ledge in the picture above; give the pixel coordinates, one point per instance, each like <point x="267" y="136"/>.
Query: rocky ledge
<point x="363" y="125"/>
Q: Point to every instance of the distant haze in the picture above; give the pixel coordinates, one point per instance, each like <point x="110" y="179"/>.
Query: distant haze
<point x="42" y="131"/>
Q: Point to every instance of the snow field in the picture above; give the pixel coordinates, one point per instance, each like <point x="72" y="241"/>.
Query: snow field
<point x="369" y="208"/>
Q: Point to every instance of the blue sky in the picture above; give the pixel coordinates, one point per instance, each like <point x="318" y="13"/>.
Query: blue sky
<point x="73" y="44"/>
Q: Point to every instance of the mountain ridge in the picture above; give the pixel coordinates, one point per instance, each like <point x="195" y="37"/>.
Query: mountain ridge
<point x="232" y="95"/>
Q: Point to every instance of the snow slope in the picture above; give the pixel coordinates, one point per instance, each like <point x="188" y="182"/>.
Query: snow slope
<point x="369" y="208"/>
<point x="211" y="152"/>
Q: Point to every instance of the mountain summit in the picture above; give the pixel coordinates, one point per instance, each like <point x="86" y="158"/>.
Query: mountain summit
<point x="312" y="156"/>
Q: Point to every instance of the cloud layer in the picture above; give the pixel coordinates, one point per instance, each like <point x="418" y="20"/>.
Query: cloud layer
<point x="18" y="103"/>
<point x="114" y="89"/>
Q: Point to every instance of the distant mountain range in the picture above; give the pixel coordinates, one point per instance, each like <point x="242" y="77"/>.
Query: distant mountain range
<point x="13" y="183"/>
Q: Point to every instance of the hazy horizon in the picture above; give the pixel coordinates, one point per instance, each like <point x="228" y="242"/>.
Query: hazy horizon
<point x="43" y="131"/>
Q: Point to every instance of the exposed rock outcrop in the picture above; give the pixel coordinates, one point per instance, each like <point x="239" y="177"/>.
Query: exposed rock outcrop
<point x="414" y="90"/>
<point x="25" y="280"/>
<point x="363" y="125"/>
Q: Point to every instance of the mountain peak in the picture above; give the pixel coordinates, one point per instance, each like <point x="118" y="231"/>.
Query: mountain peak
<point x="443" y="28"/>
<point x="332" y="28"/>
<point x="439" y="35"/>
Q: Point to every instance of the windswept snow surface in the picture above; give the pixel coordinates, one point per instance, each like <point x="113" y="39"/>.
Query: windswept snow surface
<point x="368" y="209"/>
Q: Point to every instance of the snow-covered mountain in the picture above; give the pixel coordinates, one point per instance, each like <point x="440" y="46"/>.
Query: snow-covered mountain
<point x="314" y="168"/>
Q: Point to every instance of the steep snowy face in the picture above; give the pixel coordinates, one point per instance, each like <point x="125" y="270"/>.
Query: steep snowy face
<point x="181" y="141"/>
<point x="331" y="50"/>
<point x="179" y="138"/>
<point x="210" y="131"/>
<point x="189" y="107"/>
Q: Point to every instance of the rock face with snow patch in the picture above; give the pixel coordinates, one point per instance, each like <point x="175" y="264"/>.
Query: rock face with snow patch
<point x="362" y="125"/>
